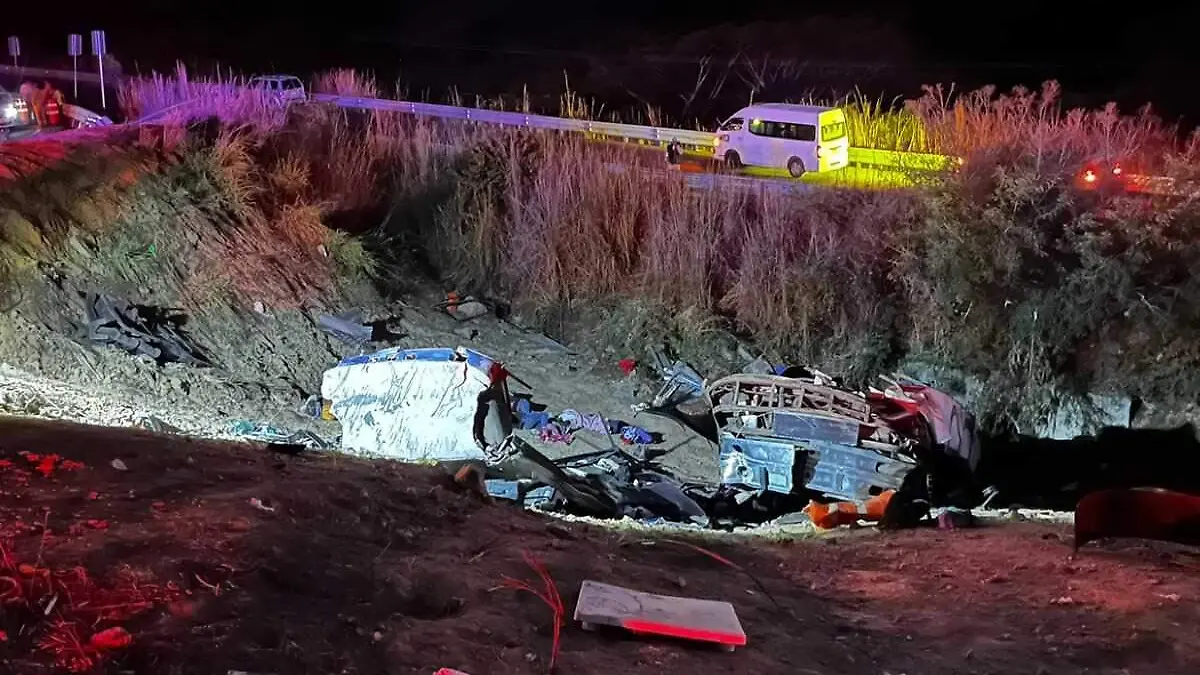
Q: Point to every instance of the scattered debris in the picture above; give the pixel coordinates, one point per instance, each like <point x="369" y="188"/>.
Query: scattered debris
<point x="138" y="329"/>
<point x="152" y="423"/>
<point x="682" y="384"/>
<point x="347" y="327"/>
<point x="524" y="491"/>
<point x="278" y="439"/>
<point x="60" y="607"/>
<point x="952" y="518"/>
<point x="258" y="504"/>
<point x="463" y="309"/>
<point x="648" y="613"/>
<point x="830" y="515"/>
<point x="118" y="465"/>
<point x="317" y="408"/>
<point x="470" y="477"/>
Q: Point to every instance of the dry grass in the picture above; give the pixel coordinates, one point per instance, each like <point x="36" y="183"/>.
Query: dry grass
<point x="176" y="100"/>
<point x="346" y="82"/>
<point x="983" y="122"/>
<point x="852" y="281"/>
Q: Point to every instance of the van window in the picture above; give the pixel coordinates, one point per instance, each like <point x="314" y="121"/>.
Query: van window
<point x="786" y="130"/>
<point x="833" y="131"/>
<point x="733" y="124"/>
<point x="292" y="83"/>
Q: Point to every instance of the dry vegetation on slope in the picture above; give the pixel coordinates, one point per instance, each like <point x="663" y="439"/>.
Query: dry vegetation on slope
<point x="1003" y="272"/>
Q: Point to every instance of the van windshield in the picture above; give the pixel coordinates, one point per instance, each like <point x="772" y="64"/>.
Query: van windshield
<point x="833" y="131"/>
<point x="733" y="124"/>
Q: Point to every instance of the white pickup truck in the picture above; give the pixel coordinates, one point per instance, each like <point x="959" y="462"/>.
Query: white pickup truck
<point x="287" y="87"/>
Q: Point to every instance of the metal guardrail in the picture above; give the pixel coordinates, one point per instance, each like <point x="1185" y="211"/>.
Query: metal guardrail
<point x="700" y="140"/>
<point x="29" y="71"/>
<point x="711" y="181"/>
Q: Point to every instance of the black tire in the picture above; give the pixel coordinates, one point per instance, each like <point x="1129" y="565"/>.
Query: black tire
<point x="733" y="160"/>
<point x="795" y="167"/>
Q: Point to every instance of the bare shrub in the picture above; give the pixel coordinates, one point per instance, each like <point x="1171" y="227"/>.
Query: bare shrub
<point x="346" y="82"/>
<point x="176" y="100"/>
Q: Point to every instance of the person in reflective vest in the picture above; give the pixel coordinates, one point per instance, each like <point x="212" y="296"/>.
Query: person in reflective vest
<point x="27" y="91"/>
<point x="37" y="102"/>
<point x="53" y="101"/>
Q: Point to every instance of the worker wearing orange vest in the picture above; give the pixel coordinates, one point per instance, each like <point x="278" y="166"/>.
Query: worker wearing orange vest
<point x="54" y="101"/>
<point x="37" y="102"/>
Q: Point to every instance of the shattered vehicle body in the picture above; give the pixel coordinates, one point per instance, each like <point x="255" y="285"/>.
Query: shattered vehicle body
<point x="800" y="432"/>
<point x="779" y="433"/>
<point x="420" y="405"/>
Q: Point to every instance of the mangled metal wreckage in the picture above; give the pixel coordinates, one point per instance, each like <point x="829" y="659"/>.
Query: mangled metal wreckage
<point x="782" y="433"/>
<point x="795" y="434"/>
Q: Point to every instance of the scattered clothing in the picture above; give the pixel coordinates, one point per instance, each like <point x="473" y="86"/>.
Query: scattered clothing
<point x="527" y="417"/>
<point x="632" y="435"/>
<point x="552" y="432"/>
<point x="575" y="420"/>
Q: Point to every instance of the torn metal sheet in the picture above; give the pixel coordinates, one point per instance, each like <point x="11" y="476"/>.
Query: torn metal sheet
<point x="757" y="463"/>
<point x="682" y="384"/>
<point x="652" y="614"/>
<point x="435" y="404"/>
<point x="852" y="473"/>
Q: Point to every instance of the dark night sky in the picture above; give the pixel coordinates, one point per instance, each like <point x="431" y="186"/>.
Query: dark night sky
<point x="1139" y="55"/>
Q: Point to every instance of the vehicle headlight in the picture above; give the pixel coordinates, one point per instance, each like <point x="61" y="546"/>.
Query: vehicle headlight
<point x="10" y="112"/>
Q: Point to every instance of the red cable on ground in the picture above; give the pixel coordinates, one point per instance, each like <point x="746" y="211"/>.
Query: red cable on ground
<point x="549" y="595"/>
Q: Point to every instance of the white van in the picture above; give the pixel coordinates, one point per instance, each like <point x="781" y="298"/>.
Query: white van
<point x="799" y="138"/>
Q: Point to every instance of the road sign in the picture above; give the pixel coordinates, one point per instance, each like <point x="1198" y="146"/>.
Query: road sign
<point x="75" y="50"/>
<point x="99" y="47"/>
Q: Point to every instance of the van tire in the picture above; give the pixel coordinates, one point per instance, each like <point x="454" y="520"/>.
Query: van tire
<point x="795" y="167"/>
<point x="733" y="160"/>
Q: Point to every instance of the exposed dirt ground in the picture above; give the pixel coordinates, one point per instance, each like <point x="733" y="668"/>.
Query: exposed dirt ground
<point x="267" y="364"/>
<point x="367" y="567"/>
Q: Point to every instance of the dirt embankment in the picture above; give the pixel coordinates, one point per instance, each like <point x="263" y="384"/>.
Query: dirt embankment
<point x="351" y="566"/>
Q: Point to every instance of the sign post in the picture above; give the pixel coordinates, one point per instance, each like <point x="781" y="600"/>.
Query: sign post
<point x="98" y="50"/>
<point x="75" y="50"/>
<point x="14" y="48"/>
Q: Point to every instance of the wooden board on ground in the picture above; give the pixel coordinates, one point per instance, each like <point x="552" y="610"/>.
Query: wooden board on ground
<point x="648" y="613"/>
